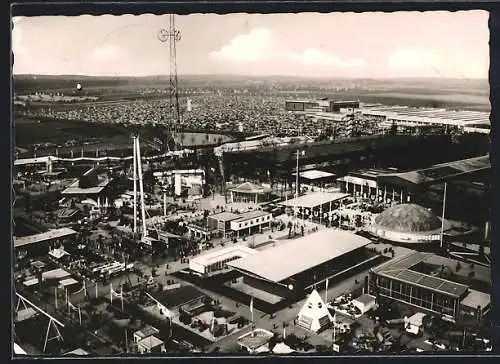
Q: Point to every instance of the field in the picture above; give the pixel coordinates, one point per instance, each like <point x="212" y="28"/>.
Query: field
<point x="102" y="137"/>
<point x="29" y="131"/>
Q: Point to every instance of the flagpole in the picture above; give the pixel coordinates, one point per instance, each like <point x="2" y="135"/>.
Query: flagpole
<point x="334" y="326"/>
<point x="251" y="312"/>
<point x="326" y="291"/>
<point x="442" y="215"/>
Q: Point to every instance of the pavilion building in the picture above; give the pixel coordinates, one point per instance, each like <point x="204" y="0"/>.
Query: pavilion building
<point x="249" y="192"/>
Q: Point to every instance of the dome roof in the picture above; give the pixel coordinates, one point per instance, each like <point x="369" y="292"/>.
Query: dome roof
<point x="408" y="218"/>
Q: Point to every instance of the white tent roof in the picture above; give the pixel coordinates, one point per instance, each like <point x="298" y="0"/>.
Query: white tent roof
<point x="282" y="348"/>
<point x="58" y="253"/>
<point x="262" y="349"/>
<point x="315" y="307"/>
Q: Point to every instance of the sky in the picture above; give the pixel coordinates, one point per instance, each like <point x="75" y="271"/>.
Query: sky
<point x="350" y="45"/>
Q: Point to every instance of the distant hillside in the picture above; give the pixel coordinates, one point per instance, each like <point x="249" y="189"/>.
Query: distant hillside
<point x="462" y="91"/>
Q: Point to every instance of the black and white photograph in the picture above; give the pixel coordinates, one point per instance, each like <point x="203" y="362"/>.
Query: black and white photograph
<point x="251" y="184"/>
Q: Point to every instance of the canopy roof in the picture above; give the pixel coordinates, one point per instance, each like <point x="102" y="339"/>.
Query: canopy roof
<point x="437" y="173"/>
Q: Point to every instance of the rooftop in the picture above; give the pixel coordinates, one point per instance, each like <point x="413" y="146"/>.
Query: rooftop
<point x="23" y="161"/>
<point x="438" y="172"/>
<point x="150" y="342"/>
<point x="78" y="351"/>
<point x="259" y="338"/>
<point x="176" y="297"/>
<point x="371" y="173"/>
<point x="314" y="174"/>
<point x="221" y="254"/>
<point x="42" y="237"/>
<point x="278" y="263"/>
<point x="408" y="218"/>
<point x="75" y="189"/>
<point x="476" y="298"/>
<point x="251" y="215"/>
<point x="398" y="268"/>
<point x="146" y="331"/>
<point x="365" y="298"/>
<point x="167" y="234"/>
<point x="58" y="273"/>
<point x="224" y="216"/>
<point x="315" y="199"/>
<point x="68" y="282"/>
<point x="249" y="187"/>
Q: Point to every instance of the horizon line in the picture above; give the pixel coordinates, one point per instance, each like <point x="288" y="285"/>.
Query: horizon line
<point x="254" y="76"/>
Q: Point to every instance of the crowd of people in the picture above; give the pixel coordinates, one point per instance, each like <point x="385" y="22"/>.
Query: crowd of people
<point x="211" y="111"/>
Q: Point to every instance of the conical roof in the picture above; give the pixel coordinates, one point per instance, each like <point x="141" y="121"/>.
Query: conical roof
<point x="250" y="188"/>
<point x="314" y="314"/>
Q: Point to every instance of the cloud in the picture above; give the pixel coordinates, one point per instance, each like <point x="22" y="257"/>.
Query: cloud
<point x="317" y="57"/>
<point x="106" y="53"/>
<point x="418" y="59"/>
<point x="354" y="63"/>
<point x="257" y="45"/>
<point x="312" y="57"/>
<point x="425" y="63"/>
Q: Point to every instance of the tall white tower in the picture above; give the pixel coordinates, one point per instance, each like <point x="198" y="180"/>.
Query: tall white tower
<point x="138" y="177"/>
<point x="189" y="105"/>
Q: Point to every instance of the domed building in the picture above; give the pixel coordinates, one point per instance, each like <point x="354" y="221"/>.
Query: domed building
<point x="408" y="223"/>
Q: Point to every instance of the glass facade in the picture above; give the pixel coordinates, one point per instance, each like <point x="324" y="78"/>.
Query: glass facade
<point x="417" y="296"/>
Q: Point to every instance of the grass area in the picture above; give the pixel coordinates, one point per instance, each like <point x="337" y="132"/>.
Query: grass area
<point x="29" y="131"/>
<point x="60" y="131"/>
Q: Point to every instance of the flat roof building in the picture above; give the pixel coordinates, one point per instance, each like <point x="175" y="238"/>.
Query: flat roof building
<point x="316" y="177"/>
<point x="251" y="221"/>
<point x="40" y="244"/>
<point x="170" y="300"/>
<point x="215" y="261"/>
<point x="222" y="222"/>
<point x="322" y="254"/>
<point x="403" y="279"/>
<point x="404" y="115"/>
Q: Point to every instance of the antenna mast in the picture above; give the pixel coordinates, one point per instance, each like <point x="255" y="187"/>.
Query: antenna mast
<point x="172" y="35"/>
